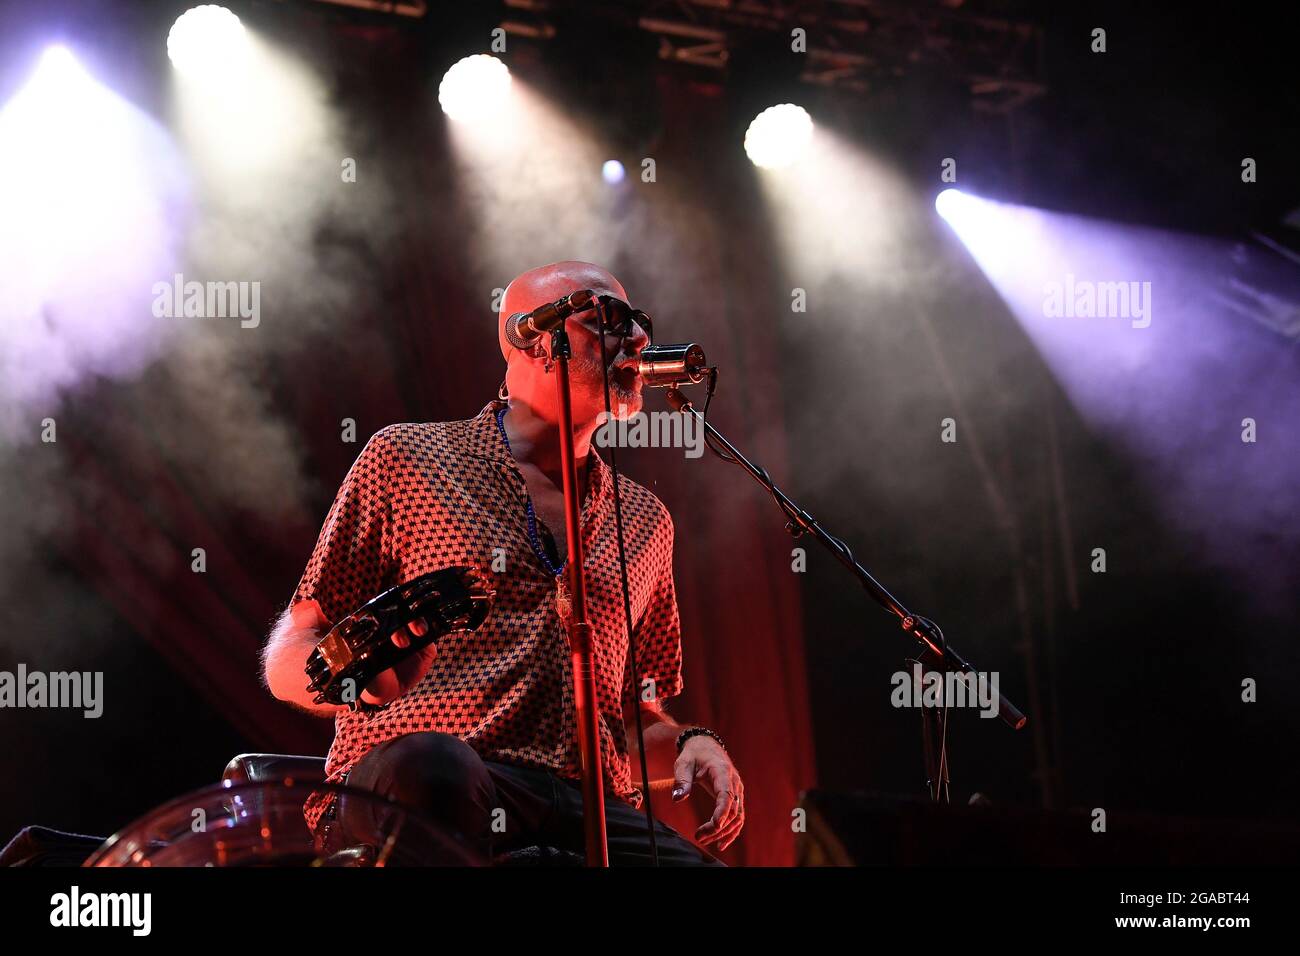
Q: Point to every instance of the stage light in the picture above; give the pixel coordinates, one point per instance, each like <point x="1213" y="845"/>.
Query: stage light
<point x="948" y="202"/>
<point x="58" y="74"/>
<point x="59" y="110"/>
<point x="838" y="210"/>
<point x="968" y="215"/>
<point x="474" y="88"/>
<point x="992" y="231"/>
<point x="778" y="136"/>
<point x="533" y="187"/>
<point x="49" y="129"/>
<point x="92" y="194"/>
<point x="612" y="172"/>
<point x="207" y="42"/>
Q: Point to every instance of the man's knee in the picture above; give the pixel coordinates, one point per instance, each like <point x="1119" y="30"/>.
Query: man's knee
<point x="436" y="773"/>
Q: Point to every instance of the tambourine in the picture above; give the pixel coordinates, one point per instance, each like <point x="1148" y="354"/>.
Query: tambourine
<point x="359" y="647"/>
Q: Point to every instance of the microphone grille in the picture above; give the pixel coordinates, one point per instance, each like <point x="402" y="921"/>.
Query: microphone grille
<point x="512" y="331"/>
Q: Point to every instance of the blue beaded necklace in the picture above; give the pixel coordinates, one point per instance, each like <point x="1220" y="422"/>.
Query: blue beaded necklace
<point x="534" y="540"/>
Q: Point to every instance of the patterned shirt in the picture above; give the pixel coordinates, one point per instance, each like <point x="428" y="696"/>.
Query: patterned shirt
<point x="421" y="497"/>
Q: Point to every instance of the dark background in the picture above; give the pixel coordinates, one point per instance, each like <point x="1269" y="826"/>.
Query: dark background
<point x="1131" y="679"/>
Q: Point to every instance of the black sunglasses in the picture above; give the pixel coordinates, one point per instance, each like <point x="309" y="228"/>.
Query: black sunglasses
<point x="619" y="317"/>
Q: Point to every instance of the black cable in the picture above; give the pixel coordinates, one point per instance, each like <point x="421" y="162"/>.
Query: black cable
<point x="704" y="417"/>
<point x="627" y="597"/>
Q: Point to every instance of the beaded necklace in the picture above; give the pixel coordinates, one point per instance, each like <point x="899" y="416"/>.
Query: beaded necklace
<point x="563" y="603"/>
<point x="533" y="538"/>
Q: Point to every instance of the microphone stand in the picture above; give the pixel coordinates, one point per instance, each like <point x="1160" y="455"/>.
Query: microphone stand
<point x="580" y="630"/>
<point x="934" y="648"/>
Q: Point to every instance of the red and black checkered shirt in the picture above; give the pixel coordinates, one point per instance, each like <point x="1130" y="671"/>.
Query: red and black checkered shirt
<point x="421" y="497"/>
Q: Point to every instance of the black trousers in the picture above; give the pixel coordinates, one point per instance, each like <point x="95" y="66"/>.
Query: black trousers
<point x="497" y="807"/>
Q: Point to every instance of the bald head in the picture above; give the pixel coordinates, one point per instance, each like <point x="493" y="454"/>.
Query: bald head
<point x="549" y="283"/>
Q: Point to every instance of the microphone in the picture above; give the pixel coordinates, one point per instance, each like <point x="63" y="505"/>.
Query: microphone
<point x="523" y="329"/>
<point x="663" y="366"/>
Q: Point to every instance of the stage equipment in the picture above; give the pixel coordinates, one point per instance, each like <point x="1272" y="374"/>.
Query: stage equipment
<point x="934" y="651"/>
<point x="262" y="824"/>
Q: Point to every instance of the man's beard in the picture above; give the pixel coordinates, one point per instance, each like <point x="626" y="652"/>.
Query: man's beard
<point x="586" y="374"/>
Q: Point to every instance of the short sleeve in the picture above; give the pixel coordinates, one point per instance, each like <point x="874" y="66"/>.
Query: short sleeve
<point x="351" y="561"/>
<point x="659" y="632"/>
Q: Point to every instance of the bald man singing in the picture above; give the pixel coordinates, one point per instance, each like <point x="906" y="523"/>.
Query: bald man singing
<point x="478" y="731"/>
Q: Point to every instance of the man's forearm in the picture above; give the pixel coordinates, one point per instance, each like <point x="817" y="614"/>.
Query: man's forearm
<point x="660" y="732"/>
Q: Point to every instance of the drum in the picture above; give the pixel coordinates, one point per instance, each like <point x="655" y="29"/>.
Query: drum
<point x="263" y="824"/>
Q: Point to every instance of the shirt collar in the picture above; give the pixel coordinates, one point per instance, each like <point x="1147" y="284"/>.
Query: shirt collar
<point x="483" y="440"/>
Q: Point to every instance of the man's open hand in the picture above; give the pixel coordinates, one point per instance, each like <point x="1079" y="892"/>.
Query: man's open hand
<point x="703" y="759"/>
